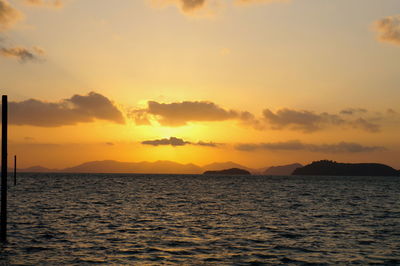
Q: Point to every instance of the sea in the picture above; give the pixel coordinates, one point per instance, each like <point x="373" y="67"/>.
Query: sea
<point x="85" y="219"/>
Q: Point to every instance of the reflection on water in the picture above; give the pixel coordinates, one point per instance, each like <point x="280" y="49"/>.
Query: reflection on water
<point x="156" y="219"/>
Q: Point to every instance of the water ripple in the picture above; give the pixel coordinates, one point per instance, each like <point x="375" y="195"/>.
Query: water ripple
<point x="68" y="219"/>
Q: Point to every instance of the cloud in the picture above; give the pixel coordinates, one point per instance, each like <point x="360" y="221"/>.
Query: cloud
<point x="173" y="141"/>
<point x="181" y="113"/>
<point x="245" y="2"/>
<point x="365" y="125"/>
<point x="77" y="109"/>
<point x="388" y="29"/>
<point x="309" y="121"/>
<point x="352" y="111"/>
<point x="8" y="15"/>
<point x="190" y="7"/>
<point x="306" y="121"/>
<point x="45" y="3"/>
<point x="186" y="6"/>
<point x="206" y="144"/>
<point x="342" y="147"/>
<point x="22" y="54"/>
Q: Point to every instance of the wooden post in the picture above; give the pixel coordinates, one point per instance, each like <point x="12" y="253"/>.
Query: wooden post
<point x="15" y="170"/>
<point x="3" y="211"/>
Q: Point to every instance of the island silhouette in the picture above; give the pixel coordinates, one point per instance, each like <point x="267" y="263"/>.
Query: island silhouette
<point x="332" y="168"/>
<point x="232" y="171"/>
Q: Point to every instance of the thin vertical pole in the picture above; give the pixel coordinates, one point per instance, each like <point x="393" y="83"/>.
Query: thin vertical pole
<point x="15" y="170"/>
<point x="3" y="211"/>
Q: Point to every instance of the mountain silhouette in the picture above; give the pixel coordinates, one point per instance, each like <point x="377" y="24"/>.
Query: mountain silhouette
<point x="159" y="167"/>
<point x="282" y="170"/>
<point x="332" y="168"/>
<point x="168" y="167"/>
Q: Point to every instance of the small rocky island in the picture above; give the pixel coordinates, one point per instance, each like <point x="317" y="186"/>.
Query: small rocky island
<point x="332" y="168"/>
<point x="232" y="171"/>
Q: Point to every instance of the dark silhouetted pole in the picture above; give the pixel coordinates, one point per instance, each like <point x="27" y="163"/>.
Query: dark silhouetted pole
<point x="3" y="212"/>
<point x="15" y="170"/>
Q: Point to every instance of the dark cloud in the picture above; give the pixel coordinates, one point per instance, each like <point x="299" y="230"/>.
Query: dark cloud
<point x="365" y="125"/>
<point x="308" y="121"/>
<point x="22" y="54"/>
<point x="389" y="29"/>
<point x="190" y="5"/>
<point x="180" y="113"/>
<point x="342" y="147"/>
<point x="305" y="121"/>
<point x="206" y="144"/>
<point x="110" y="144"/>
<point x="8" y="15"/>
<point x="77" y="109"/>
<point x="173" y="141"/>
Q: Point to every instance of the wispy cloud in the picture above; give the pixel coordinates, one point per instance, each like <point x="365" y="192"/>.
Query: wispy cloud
<point x="23" y="54"/>
<point x="8" y="15"/>
<point x="388" y="29"/>
<point x="77" y="109"/>
<point x="193" y="7"/>
<point x="45" y="3"/>
<point x="247" y="2"/>
<point x="342" y="147"/>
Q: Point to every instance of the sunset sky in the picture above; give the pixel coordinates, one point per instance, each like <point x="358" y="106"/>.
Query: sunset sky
<point x="257" y="82"/>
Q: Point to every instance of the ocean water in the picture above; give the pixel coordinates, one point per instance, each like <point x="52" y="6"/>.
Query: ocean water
<point x="69" y="219"/>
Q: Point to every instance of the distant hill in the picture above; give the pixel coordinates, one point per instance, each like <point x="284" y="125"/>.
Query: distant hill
<point x="346" y="169"/>
<point x="282" y="170"/>
<point x="158" y="167"/>
<point x="232" y="171"/>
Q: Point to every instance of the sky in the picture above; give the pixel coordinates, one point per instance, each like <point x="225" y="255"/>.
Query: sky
<point x="257" y="82"/>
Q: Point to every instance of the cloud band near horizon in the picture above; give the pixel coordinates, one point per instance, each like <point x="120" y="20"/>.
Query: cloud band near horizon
<point x="178" y="114"/>
<point x="341" y="147"/>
